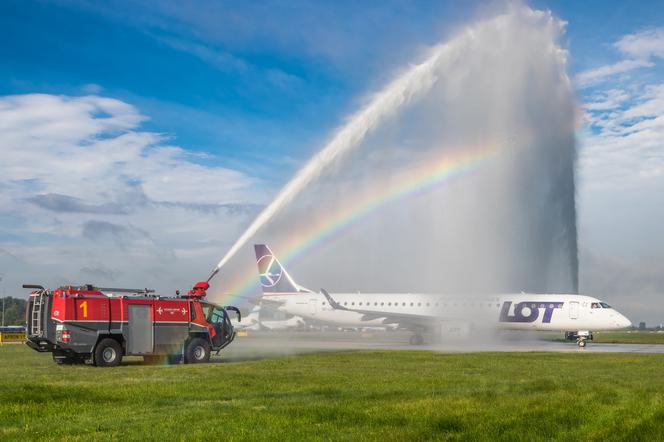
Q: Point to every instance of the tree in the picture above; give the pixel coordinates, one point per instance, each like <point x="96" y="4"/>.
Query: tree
<point x="14" y="310"/>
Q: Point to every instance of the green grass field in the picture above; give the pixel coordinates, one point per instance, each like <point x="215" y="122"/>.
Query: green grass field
<point x="382" y="395"/>
<point x="629" y="337"/>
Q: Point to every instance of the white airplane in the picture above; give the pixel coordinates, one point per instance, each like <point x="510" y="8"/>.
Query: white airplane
<point x="249" y="322"/>
<point x="252" y="322"/>
<point x="286" y="324"/>
<point x="577" y="315"/>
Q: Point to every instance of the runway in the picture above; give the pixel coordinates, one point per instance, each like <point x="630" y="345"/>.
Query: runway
<point x="260" y="345"/>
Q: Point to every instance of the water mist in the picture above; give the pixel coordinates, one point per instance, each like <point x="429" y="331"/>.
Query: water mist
<point x="507" y="223"/>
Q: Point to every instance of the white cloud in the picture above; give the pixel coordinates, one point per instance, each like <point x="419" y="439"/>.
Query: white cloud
<point x="95" y="141"/>
<point x="625" y="141"/>
<point x="82" y="183"/>
<point x="593" y="76"/>
<point x="621" y="178"/>
<point x="639" y="48"/>
<point x="643" y="45"/>
<point x="606" y="100"/>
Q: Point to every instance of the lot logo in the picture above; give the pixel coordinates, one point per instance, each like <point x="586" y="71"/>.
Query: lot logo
<point x="528" y="311"/>
<point x="270" y="270"/>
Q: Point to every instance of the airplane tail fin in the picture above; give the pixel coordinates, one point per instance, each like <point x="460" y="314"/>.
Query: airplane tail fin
<point x="274" y="277"/>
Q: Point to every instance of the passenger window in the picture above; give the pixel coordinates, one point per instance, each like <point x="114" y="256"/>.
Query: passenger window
<point x="419" y="304"/>
<point x="411" y="304"/>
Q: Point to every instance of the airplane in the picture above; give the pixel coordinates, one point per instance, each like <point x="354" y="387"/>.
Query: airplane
<point x="252" y="322"/>
<point x="286" y="324"/>
<point x="249" y="322"/>
<point x="577" y="315"/>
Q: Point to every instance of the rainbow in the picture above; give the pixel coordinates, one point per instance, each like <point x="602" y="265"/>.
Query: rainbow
<point x="418" y="180"/>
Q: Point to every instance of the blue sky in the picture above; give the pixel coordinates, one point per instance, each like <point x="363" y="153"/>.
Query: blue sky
<point x="250" y="90"/>
<point x="236" y="80"/>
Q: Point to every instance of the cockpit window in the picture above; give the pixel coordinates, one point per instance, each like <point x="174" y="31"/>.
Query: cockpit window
<point x="595" y="305"/>
<point x="605" y="305"/>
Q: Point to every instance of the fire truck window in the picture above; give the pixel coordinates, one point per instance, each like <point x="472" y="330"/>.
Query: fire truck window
<point x="207" y="308"/>
<point x="217" y="315"/>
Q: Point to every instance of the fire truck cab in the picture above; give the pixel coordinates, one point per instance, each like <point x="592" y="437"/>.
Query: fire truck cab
<point x="101" y="325"/>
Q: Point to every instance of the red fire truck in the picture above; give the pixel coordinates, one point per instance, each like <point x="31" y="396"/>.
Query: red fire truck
<point x="101" y="325"/>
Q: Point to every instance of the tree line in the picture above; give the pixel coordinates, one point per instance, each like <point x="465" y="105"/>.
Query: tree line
<point x="14" y="310"/>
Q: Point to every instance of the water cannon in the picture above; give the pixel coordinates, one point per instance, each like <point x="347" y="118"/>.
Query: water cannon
<point x="199" y="290"/>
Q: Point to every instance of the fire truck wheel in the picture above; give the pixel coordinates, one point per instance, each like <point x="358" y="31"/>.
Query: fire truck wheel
<point x="197" y="351"/>
<point x="108" y="353"/>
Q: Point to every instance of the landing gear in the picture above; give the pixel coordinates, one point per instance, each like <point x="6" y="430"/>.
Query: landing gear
<point x="416" y="339"/>
<point x="581" y="337"/>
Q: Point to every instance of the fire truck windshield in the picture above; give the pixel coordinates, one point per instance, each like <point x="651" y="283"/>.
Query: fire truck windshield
<point x="213" y="313"/>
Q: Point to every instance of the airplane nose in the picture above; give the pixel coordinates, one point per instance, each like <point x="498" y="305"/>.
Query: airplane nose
<point x="624" y="322"/>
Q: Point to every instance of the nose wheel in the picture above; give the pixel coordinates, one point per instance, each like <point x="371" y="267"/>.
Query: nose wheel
<point x="582" y="338"/>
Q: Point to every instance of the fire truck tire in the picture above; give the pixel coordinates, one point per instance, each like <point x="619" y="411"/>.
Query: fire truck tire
<point x="108" y="353"/>
<point x="197" y="351"/>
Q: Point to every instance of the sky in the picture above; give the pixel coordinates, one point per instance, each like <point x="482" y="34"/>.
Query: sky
<point x="139" y="138"/>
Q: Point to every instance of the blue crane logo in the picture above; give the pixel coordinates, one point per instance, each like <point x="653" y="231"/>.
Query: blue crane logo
<point x="270" y="270"/>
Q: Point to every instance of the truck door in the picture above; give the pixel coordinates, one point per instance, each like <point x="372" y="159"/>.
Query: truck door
<point x="574" y="310"/>
<point x="140" y="336"/>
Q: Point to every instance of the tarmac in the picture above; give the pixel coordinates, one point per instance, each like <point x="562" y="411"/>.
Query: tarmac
<point x="261" y="345"/>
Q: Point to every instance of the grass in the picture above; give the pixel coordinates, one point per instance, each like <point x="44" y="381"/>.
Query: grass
<point x="629" y="337"/>
<point x="378" y="395"/>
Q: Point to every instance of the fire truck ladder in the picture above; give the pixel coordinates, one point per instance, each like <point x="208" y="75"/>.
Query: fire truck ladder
<point x="36" y="322"/>
<point x="36" y="328"/>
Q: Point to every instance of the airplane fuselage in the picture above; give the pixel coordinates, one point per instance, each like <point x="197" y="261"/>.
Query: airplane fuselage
<point x="559" y="312"/>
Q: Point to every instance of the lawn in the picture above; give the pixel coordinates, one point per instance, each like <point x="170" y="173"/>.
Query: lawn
<point x="377" y="395"/>
<point x="629" y="337"/>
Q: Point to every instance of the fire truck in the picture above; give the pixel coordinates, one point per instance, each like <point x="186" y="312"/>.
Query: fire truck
<point x="101" y="325"/>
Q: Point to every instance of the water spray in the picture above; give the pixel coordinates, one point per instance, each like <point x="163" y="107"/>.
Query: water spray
<point x="416" y="80"/>
<point x="500" y="81"/>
